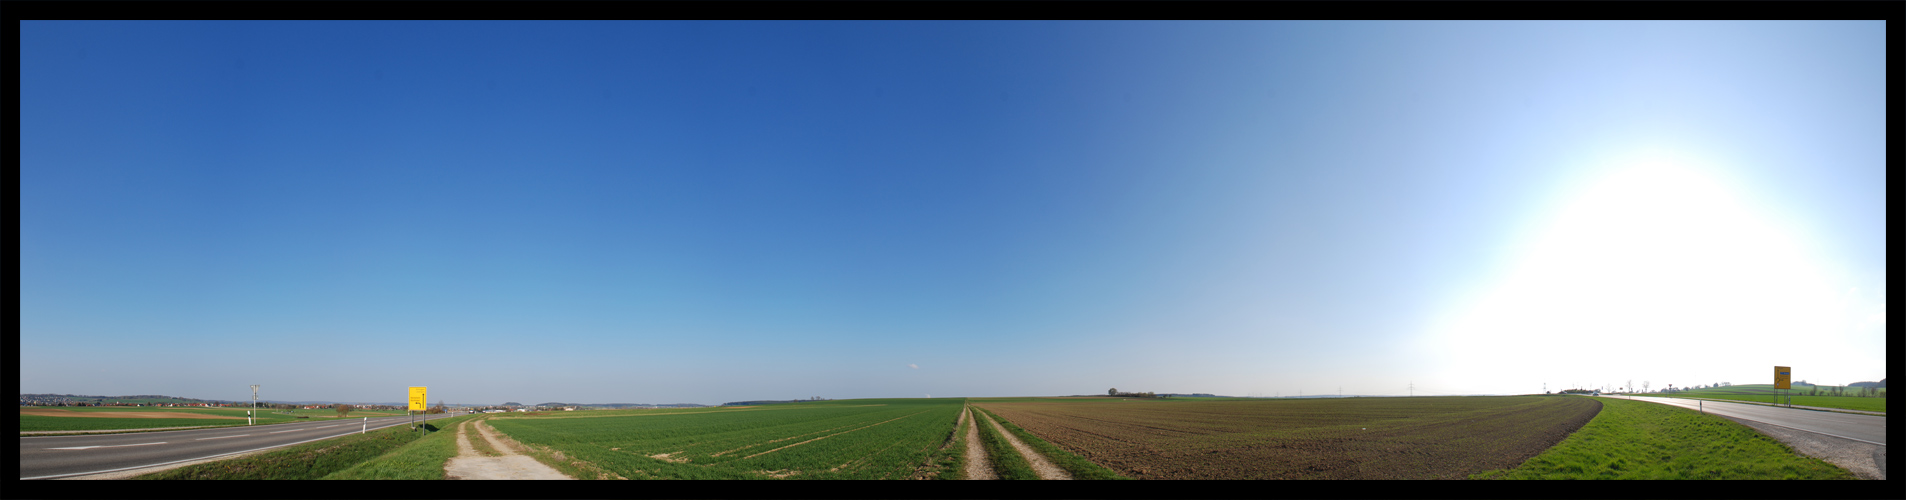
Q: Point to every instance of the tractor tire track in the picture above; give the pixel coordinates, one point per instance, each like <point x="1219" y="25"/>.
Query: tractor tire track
<point x="978" y="466"/>
<point x="1040" y="465"/>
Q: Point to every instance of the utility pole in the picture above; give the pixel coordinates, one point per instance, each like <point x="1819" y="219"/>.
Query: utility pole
<point x="1412" y="388"/>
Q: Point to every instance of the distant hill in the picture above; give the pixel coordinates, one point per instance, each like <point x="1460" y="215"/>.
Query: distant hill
<point x="1880" y="384"/>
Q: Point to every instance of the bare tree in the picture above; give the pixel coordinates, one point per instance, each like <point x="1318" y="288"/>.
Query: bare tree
<point x="1112" y="392"/>
<point x="343" y="409"/>
<point x="1644" y="386"/>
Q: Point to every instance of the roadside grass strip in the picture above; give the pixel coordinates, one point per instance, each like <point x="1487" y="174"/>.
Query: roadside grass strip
<point x="422" y="458"/>
<point x="313" y="460"/>
<point x="1078" y="466"/>
<point x="1007" y="463"/>
<point x="1841" y="402"/>
<point x="893" y="440"/>
<point x="1642" y="440"/>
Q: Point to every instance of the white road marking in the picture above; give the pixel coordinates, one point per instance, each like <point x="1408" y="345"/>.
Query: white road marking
<point x="325" y="427"/>
<point x="104" y="446"/>
<point x="292" y="430"/>
<point x="222" y="437"/>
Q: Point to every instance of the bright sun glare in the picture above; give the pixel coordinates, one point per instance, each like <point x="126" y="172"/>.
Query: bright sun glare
<point x="1657" y="256"/>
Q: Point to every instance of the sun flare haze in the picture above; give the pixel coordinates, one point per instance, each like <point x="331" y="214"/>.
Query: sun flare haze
<point x="1657" y="257"/>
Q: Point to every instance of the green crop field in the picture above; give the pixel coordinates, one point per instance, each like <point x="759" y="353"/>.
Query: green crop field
<point x="843" y="439"/>
<point x="1641" y="440"/>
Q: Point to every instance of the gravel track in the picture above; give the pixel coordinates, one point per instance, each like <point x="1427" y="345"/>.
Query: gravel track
<point x="468" y="464"/>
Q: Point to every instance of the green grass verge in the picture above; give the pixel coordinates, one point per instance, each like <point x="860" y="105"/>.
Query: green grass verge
<point x="1078" y="466"/>
<point x="1642" y="440"/>
<point x="422" y="458"/>
<point x="313" y="460"/>
<point x="1007" y="463"/>
<point x="1841" y="402"/>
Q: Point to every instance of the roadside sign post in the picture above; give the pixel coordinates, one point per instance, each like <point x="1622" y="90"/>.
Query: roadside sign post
<point x="416" y="403"/>
<point x="254" y="404"/>
<point x="1783" y="380"/>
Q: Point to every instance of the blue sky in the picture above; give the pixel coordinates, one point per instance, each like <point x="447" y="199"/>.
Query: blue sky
<point x="717" y="211"/>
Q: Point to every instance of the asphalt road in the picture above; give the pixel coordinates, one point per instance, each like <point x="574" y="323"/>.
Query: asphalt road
<point x="48" y="457"/>
<point x="1867" y="428"/>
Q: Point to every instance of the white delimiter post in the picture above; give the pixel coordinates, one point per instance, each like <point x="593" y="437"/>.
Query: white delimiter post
<point x="367" y="425"/>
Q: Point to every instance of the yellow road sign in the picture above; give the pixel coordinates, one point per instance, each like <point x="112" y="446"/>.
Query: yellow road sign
<point x="1783" y="377"/>
<point x="417" y="398"/>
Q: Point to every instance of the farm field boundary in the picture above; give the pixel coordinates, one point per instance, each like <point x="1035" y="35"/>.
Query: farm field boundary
<point x="1007" y="463"/>
<point x="1077" y="466"/>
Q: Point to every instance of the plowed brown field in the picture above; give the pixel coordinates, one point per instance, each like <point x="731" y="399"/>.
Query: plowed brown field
<point x="1352" y="438"/>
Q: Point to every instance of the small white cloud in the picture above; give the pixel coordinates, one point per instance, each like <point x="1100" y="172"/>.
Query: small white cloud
<point x="913" y="366"/>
